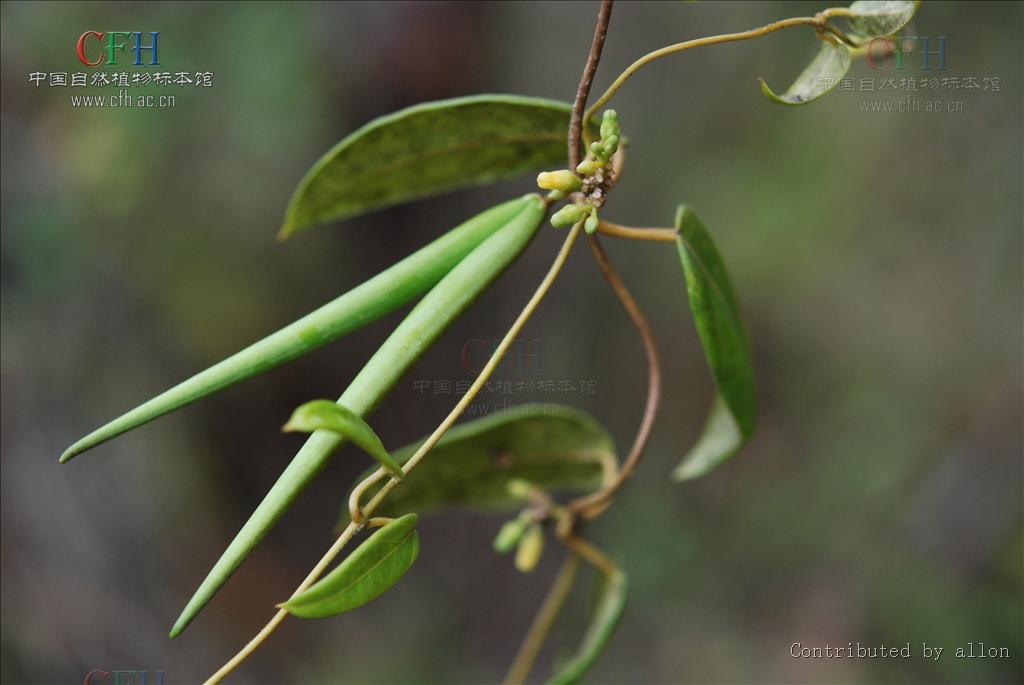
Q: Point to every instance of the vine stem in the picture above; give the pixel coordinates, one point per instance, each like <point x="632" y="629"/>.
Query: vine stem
<point x="593" y="505"/>
<point x="543" y="621"/>
<point x="662" y="235"/>
<point x="604" y="17"/>
<point x="818" y="22"/>
<point x="353" y="527"/>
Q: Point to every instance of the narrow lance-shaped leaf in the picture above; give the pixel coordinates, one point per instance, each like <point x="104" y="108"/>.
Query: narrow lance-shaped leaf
<point x="428" y="149"/>
<point x="722" y="334"/>
<point x="327" y="415"/>
<point x="876" y="18"/>
<point x="820" y="76"/>
<point x="405" y="345"/>
<point x="382" y="294"/>
<point x="610" y="604"/>
<point x="553" y="447"/>
<point x="372" y="569"/>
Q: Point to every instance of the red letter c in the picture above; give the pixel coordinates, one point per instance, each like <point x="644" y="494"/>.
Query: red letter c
<point x="104" y="674"/>
<point x="81" y="48"/>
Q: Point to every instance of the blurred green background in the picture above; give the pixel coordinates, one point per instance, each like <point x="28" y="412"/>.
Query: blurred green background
<point x="877" y="255"/>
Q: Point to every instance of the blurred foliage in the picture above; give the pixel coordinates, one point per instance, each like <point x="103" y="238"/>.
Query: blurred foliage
<point x="877" y="256"/>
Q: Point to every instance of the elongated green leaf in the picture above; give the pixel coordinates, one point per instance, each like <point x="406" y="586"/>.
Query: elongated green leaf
<point x="327" y="415"/>
<point x="552" y="447"/>
<point x="716" y="313"/>
<point x="875" y="18"/>
<point x="382" y="294"/>
<point x="428" y="319"/>
<point x="820" y="76"/>
<point x="612" y="602"/>
<point x="430" y="149"/>
<point x="368" y="572"/>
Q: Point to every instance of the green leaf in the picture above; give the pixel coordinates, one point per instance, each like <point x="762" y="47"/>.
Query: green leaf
<point x="428" y="319"/>
<point x="429" y="149"/>
<point x="606" y="617"/>
<point x="820" y="76"/>
<point x="382" y="294"/>
<point x="550" y="446"/>
<point x="720" y="440"/>
<point x="716" y="313"/>
<point x="372" y="569"/>
<point x="877" y="18"/>
<point x="327" y="415"/>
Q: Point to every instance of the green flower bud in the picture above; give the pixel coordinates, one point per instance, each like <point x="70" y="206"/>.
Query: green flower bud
<point x="609" y="124"/>
<point x="530" y="549"/>
<point x="611" y="144"/>
<point x="563" y="180"/>
<point x="519" y="488"/>
<point x="556" y="195"/>
<point x="591" y="224"/>
<point x="569" y="215"/>
<point x="589" y="166"/>
<point x="509" y="535"/>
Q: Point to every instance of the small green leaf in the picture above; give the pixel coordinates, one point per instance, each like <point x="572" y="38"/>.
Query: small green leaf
<point x="717" y="316"/>
<point x="327" y="415"/>
<point x="382" y="294"/>
<point x="877" y="18"/>
<point x="820" y="76"/>
<point x="612" y="602"/>
<point x="372" y="569"/>
<point x="552" y="447"/>
<point x="417" y="332"/>
<point x="429" y="149"/>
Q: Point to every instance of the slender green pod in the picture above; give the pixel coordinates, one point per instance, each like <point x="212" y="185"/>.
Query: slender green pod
<point x="427" y="320"/>
<point x="381" y="295"/>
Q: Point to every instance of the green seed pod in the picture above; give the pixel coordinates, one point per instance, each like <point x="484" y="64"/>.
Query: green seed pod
<point x="609" y="124"/>
<point x="530" y="548"/>
<point x="382" y="294"/>
<point x="407" y="343"/>
<point x="591" y="224"/>
<point x="589" y="166"/>
<point x="569" y="215"/>
<point x="563" y="180"/>
<point x="510" y="534"/>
